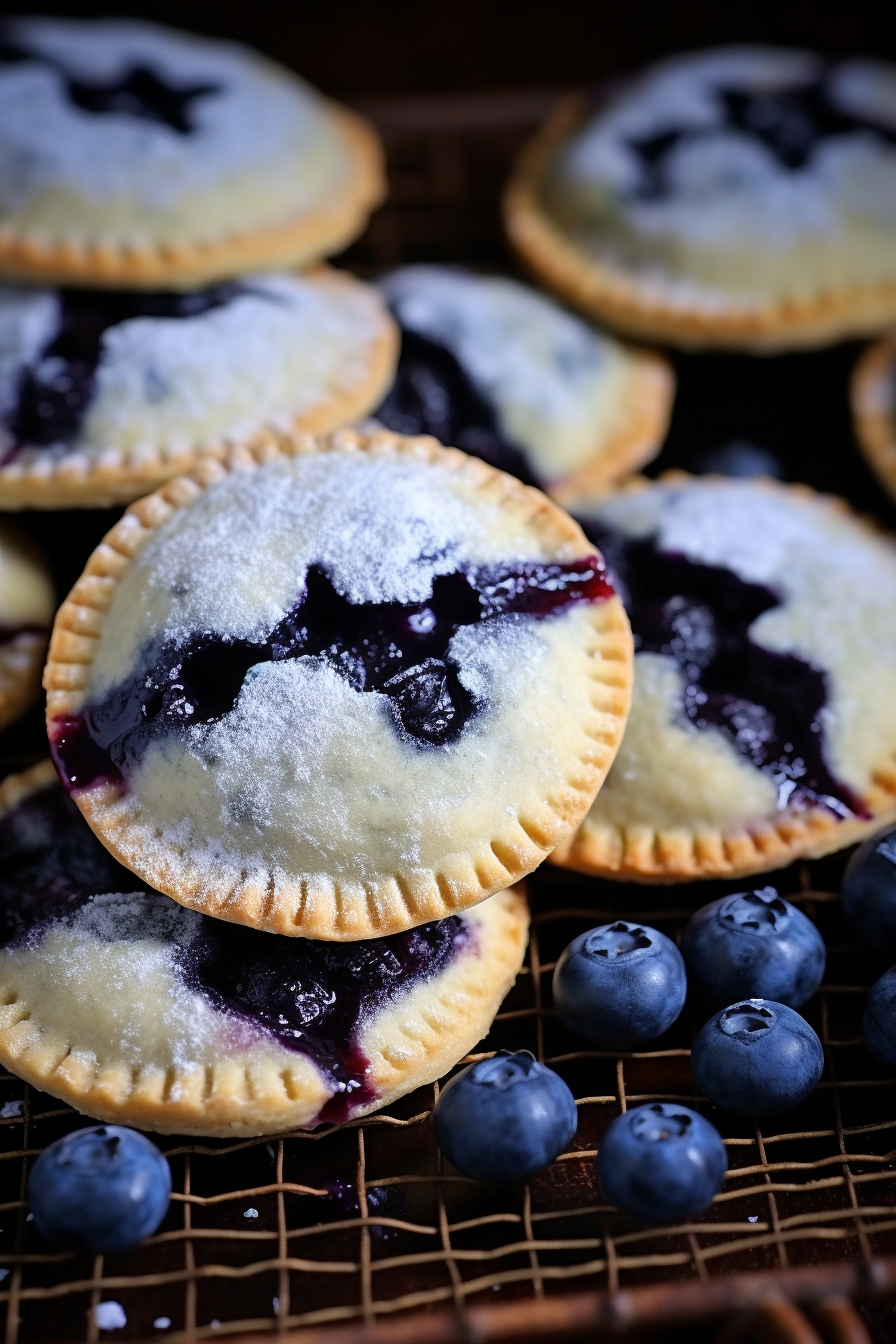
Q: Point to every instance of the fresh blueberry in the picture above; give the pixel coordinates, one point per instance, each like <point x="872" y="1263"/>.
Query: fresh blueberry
<point x="620" y="985"/>
<point x="879" y="1022"/>
<point x="661" y="1162"/>
<point x="869" y="891"/>
<point x="754" y="945"/>
<point x="757" y="1058"/>
<point x="739" y="457"/>
<point x="99" y="1189"/>
<point x="504" y="1118"/>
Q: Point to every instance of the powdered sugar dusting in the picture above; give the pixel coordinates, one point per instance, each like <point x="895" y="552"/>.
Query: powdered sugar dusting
<point x="29" y="319"/>
<point x="234" y="562"/>
<point x="551" y="377"/>
<point x="254" y="116"/>
<point x="835" y="577"/>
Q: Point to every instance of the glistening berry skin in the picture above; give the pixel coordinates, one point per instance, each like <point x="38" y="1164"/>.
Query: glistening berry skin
<point x="620" y="985"/>
<point x="757" y="1058"/>
<point x="753" y="945"/>
<point x="879" y="1022"/>
<point x="99" y="1189"/>
<point x="661" y="1162"/>
<point x="504" y="1118"/>
<point x="869" y="891"/>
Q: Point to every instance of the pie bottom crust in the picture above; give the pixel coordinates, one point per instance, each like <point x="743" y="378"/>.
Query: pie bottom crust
<point x="299" y="240"/>
<point x="265" y="1089"/>
<point x="618" y="297"/>
<point x="313" y="905"/>
<point x="873" y="401"/>
<point x="641" y="425"/>
<point x="657" y="856"/>
<point x="81" y="480"/>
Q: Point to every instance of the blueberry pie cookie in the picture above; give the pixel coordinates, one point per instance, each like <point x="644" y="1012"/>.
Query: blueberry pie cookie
<point x="763" y="723"/>
<point x="136" y="156"/>
<point x="336" y="688"/>
<point x="873" y="396"/>
<point x="742" y="197"/>
<point x="135" y="1010"/>
<point x="26" y="614"/>
<point x="105" y="394"/>
<point x="504" y="373"/>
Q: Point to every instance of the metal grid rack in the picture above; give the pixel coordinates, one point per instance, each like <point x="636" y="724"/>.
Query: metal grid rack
<point x="362" y="1223"/>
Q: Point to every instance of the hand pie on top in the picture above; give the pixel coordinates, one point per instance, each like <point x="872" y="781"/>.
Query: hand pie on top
<point x="138" y="1012"/>
<point x="136" y="156"/>
<point x="873" y="397"/>
<point x="743" y="197"/>
<point x="503" y="372"/>
<point x="105" y="394"/>
<point x="26" y="613"/>
<point x="763" y="723"/>
<point x="337" y="688"/>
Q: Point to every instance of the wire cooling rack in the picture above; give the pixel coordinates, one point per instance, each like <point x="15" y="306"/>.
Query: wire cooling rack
<point x="361" y="1224"/>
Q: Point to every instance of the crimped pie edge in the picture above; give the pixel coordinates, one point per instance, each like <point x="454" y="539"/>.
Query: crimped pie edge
<point x="875" y="425"/>
<point x="297" y="241"/>
<point x="410" y="1044"/>
<point x="402" y="900"/>
<point x="613" y="295"/>
<point x="659" y="857"/>
<point x="76" y="480"/>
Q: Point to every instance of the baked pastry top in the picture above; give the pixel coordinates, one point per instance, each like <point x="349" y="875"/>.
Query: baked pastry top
<point x="873" y="401"/>
<point x="493" y="367"/>
<point x="763" y="721"/>
<point x="338" y="687"/>
<point x="135" y="1010"/>
<point x="134" y="154"/>
<point x="105" y="394"/>
<point x="739" y="195"/>
<point x="27" y="603"/>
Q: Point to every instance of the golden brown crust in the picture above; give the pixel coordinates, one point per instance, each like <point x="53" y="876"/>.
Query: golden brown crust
<point x="21" y="661"/>
<point x="641" y="427"/>
<point x="297" y="241"/>
<point x="619" y="298"/>
<point x="347" y="909"/>
<point x="873" y="401"/>
<point x="641" y="853"/>
<point x="413" y="1041"/>
<point x="76" y="480"/>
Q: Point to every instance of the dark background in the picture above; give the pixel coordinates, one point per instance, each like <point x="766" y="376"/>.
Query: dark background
<point x="360" y="50"/>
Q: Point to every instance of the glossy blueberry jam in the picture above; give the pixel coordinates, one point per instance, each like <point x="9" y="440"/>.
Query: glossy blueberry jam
<point x="433" y="394"/>
<point x="55" y="392"/>
<point x="768" y="704"/>
<point x="398" y="650"/>
<point x="140" y="92"/>
<point x="790" y="123"/>
<point x="313" y="997"/>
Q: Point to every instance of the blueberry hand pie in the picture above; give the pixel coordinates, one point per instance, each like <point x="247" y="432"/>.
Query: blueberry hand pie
<point x="337" y="688"/>
<point x="763" y="723"/>
<point x="132" y="155"/>
<point x="504" y="373"/>
<point x="743" y="197"/>
<point x="105" y="394"/>
<point x="26" y="614"/>
<point x="873" y="396"/>
<point x="137" y="1011"/>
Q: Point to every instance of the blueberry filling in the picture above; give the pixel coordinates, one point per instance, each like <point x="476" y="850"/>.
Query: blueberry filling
<point x="433" y="394"/>
<point x="768" y="704"/>
<point x="313" y="997"/>
<point x="140" y="92"/>
<point x="54" y="393"/>
<point x="10" y="632"/>
<point x="401" y="651"/>
<point x="790" y="123"/>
